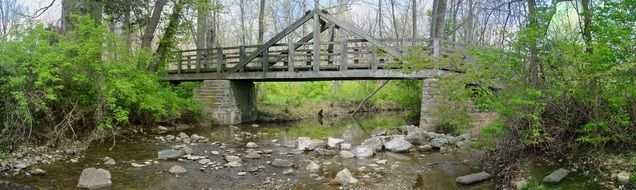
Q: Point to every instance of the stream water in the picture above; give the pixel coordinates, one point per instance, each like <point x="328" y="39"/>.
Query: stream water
<point x="415" y="170"/>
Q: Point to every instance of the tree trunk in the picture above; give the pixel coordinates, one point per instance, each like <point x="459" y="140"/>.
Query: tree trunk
<point x="380" y="18"/>
<point x="414" y="4"/>
<point x="587" y="22"/>
<point x="127" y="26"/>
<point x="394" y="18"/>
<point x="534" y="51"/>
<point x="149" y="33"/>
<point x="212" y="40"/>
<point x="469" y="29"/>
<point x="202" y="19"/>
<point x="243" y="31"/>
<point x="261" y="23"/>
<point x="437" y="26"/>
<point x="167" y="40"/>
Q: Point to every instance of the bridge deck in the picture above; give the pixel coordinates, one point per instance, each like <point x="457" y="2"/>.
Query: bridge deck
<point x="356" y="55"/>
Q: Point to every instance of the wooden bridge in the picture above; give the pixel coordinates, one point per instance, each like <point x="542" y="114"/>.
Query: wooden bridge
<point x="354" y="55"/>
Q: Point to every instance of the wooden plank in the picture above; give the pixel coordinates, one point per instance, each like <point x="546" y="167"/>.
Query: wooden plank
<point x="343" y="55"/>
<point x="275" y="39"/>
<point x="305" y="39"/>
<point x="352" y="29"/>
<point x="290" y="57"/>
<point x="316" y="40"/>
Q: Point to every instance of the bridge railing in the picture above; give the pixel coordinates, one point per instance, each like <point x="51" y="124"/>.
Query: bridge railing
<point x="334" y="56"/>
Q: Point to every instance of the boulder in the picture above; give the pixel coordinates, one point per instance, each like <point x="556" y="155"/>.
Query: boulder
<point x="556" y="176"/>
<point x="378" y="132"/>
<point x="288" y="171"/>
<point x="196" y="137"/>
<point x="135" y="165"/>
<point x="182" y="135"/>
<point x="439" y="142"/>
<point x="363" y="151"/>
<point x="312" y="167"/>
<point x="162" y="128"/>
<point x="410" y="129"/>
<point x="37" y="171"/>
<point x="230" y="158"/>
<point x="204" y="161"/>
<point x="109" y="161"/>
<point x="398" y="144"/>
<point x="253" y="155"/>
<point x="176" y="169"/>
<point x="92" y="178"/>
<point x="334" y="142"/>
<point x="473" y="178"/>
<point x="374" y="143"/>
<point x="623" y="177"/>
<point x="251" y="145"/>
<point x="345" y="177"/>
<point x="424" y="148"/>
<point x="305" y="143"/>
<point x="169" y="154"/>
<point x="282" y="163"/>
<point x="345" y="146"/>
<point x="346" y="154"/>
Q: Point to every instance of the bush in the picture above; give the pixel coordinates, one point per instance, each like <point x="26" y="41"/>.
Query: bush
<point x="52" y="85"/>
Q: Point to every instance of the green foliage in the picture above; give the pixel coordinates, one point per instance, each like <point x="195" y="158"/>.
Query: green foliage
<point x="52" y="83"/>
<point x="533" y="184"/>
<point x="304" y="96"/>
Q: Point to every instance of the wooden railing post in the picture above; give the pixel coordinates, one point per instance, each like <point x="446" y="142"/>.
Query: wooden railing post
<point x="199" y="60"/>
<point x="343" y="55"/>
<point x="220" y="65"/>
<point x="291" y="52"/>
<point x="180" y="62"/>
<point x="242" y="57"/>
<point x="265" y="60"/>
<point x="316" y="56"/>
<point x="374" y="57"/>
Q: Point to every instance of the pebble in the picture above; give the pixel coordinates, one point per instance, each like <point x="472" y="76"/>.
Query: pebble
<point x="242" y="173"/>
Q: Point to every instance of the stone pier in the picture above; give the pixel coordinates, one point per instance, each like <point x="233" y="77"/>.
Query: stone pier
<point x="427" y="120"/>
<point x="227" y="102"/>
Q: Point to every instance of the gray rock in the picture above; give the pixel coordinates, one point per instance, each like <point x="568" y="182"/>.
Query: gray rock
<point x="196" y="137"/>
<point x="137" y="165"/>
<point x="424" y="148"/>
<point x="176" y="169"/>
<point x="378" y="132"/>
<point x="623" y="177"/>
<point x="312" y="167"/>
<point x="110" y="161"/>
<point x="169" y="154"/>
<point x="21" y="165"/>
<point x="410" y="129"/>
<point x="169" y="137"/>
<point x="288" y="171"/>
<point x="345" y="146"/>
<point x="251" y="145"/>
<point x="241" y="173"/>
<point x="346" y="154"/>
<point x="556" y="176"/>
<point x="398" y="144"/>
<point x="187" y="150"/>
<point x="162" y="128"/>
<point x="334" y="142"/>
<point x="374" y="143"/>
<point x="305" y="143"/>
<point x="345" y="177"/>
<point x="182" y="135"/>
<point x="253" y="155"/>
<point x="290" y="144"/>
<point x="37" y="171"/>
<point x="204" y="161"/>
<point x="231" y="158"/>
<point x="233" y="164"/>
<point x="92" y="178"/>
<point x="363" y="151"/>
<point x="473" y="178"/>
<point x="439" y="142"/>
<point x="282" y="163"/>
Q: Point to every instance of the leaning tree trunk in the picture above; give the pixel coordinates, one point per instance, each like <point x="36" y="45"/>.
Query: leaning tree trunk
<point x="167" y="41"/>
<point x="149" y="33"/>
